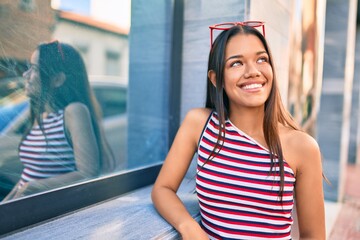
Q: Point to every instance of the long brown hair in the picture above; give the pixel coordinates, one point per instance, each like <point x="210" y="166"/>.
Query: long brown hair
<point x="217" y="99"/>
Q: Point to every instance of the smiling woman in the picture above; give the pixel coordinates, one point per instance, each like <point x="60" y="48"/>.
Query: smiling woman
<point x="250" y="153"/>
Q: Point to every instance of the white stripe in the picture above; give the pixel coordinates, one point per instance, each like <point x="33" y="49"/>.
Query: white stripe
<point x="45" y="156"/>
<point x="50" y="169"/>
<point x="44" y="149"/>
<point x="43" y="143"/>
<point x="236" y="155"/>
<point x="47" y="163"/>
<point x="47" y="130"/>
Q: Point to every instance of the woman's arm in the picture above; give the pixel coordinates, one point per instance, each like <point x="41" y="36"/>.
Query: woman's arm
<point x="86" y="146"/>
<point x="172" y="173"/>
<point x="13" y="193"/>
<point x="308" y="189"/>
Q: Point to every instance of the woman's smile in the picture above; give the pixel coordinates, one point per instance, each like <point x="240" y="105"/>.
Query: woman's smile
<point x="252" y="86"/>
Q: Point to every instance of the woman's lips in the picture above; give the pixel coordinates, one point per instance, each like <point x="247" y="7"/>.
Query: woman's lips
<point x="251" y="86"/>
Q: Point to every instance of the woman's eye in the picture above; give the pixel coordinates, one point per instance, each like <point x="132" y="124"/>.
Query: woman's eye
<point x="236" y="64"/>
<point x="262" y="59"/>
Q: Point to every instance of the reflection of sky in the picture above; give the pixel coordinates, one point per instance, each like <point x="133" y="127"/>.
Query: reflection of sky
<point x="79" y="6"/>
<point x="116" y="12"/>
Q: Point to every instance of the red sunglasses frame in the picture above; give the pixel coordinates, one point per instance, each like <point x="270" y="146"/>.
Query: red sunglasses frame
<point x="221" y="26"/>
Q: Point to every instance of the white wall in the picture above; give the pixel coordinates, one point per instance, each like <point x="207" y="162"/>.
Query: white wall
<point x="97" y="43"/>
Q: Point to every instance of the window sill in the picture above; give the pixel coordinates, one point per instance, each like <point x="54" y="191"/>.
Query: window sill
<point x="130" y="216"/>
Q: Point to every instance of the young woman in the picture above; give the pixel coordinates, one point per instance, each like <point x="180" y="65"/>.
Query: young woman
<point x="253" y="161"/>
<point x="64" y="142"/>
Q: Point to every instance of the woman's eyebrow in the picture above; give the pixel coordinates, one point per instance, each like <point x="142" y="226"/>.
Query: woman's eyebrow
<point x="234" y="56"/>
<point x="241" y="56"/>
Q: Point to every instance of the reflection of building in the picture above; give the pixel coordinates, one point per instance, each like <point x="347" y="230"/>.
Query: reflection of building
<point x="22" y="28"/>
<point x="103" y="46"/>
<point x="25" y="24"/>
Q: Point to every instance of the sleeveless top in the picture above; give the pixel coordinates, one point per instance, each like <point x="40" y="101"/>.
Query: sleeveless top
<point x="237" y="192"/>
<point x="45" y="157"/>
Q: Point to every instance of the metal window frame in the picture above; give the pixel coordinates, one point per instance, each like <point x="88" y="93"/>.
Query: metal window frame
<point x="20" y="214"/>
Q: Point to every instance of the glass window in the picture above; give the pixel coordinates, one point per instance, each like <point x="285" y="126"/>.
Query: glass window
<point x="130" y="85"/>
<point x="112" y="63"/>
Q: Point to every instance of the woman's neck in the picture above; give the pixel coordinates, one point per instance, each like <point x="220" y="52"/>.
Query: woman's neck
<point x="249" y="120"/>
<point x="50" y="109"/>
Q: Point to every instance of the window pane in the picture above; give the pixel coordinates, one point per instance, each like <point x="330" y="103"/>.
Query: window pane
<point x="130" y="83"/>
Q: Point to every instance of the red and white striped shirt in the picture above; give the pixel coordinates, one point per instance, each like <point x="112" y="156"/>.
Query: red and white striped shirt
<point x="238" y="196"/>
<point x="46" y="157"/>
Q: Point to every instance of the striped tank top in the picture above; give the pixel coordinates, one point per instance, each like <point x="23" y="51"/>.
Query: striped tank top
<point x="46" y="157"/>
<point x="238" y="196"/>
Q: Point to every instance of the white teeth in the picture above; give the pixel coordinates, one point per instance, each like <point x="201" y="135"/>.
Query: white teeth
<point x="252" y="86"/>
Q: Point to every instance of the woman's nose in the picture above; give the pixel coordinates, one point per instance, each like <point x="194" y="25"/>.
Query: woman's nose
<point x="252" y="71"/>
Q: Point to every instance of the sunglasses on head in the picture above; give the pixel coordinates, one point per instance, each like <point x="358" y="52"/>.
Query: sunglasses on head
<point x="57" y="44"/>
<point x="228" y="25"/>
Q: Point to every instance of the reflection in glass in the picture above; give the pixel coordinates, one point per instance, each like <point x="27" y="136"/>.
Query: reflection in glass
<point x="104" y="48"/>
<point x="63" y="141"/>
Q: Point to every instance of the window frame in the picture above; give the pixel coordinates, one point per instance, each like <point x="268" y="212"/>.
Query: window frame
<point x="71" y="198"/>
<point x="35" y="209"/>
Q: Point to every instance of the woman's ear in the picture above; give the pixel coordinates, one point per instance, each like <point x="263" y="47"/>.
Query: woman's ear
<point x="212" y="77"/>
<point x="59" y="79"/>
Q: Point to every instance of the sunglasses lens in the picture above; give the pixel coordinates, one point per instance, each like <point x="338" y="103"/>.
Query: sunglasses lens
<point x="253" y="24"/>
<point x="225" y="25"/>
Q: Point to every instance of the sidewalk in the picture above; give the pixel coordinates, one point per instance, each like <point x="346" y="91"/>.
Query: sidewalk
<point x="347" y="223"/>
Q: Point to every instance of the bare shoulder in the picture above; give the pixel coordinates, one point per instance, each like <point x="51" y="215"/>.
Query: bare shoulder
<point x="198" y="115"/>
<point x="301" y="140"/>
<point x="77" y="116"/>
<point x="196" y="119"/>
<point x="76" y="110"/>
<point x="194" y="122"/>
<point x="299" y="147"/>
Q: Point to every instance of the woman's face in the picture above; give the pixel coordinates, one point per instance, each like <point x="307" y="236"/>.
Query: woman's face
<point x="32" y="76"/>
<point x="248" y="75"/>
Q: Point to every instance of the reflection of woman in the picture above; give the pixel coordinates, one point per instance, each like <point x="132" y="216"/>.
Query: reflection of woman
<point x="253" y="161"/>
<point x="64" y="142"/>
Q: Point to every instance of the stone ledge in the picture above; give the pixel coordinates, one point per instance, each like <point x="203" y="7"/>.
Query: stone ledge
<point x="130" y="216"/>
